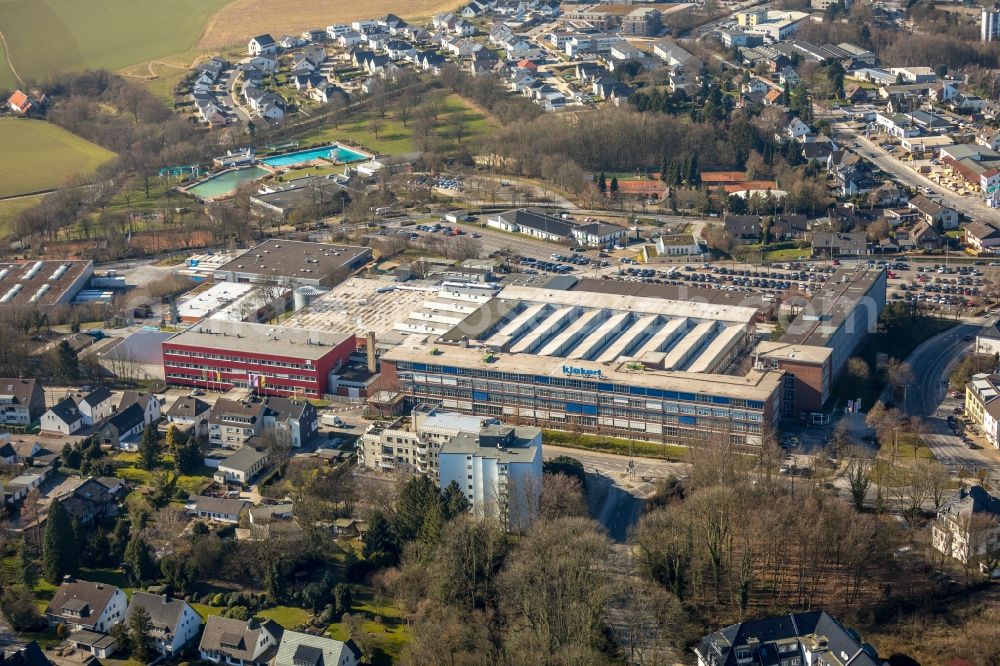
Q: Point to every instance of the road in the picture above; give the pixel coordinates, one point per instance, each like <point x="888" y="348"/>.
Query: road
<point x="925" y="397"/>
<point x="971" y="206"/>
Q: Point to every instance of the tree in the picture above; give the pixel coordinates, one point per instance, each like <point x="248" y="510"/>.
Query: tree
<point x="66" y="366"/>
<point x="454" y="501"/>
<point x="26" y="566"/>
<point x="858" y="369"/>
<point x="416" y="499"/>
<point x="614" y="186"/>
<point x="188" y="458"/>
<point x="858" y="477"/>
<point x="274" y="582"/>
<point x="380" y="537"/>
<point x="374" y="125"/>
<point x="898" y="374"/>
<point x="138" y="560"/>
<point x="602" y="183"/>
<point x="172" y="441"/>
<point x="60" y="552"/>
<point x="140" y="628"/>
<point x="149" y="448"/>
<point x="983" y="543"/>
<point x="342" y="599"/>
<point x="562" y="497"/>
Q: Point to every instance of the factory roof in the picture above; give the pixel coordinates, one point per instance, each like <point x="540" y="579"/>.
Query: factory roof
<point x="41" y="282"/>
<point x="790" y="352"/>
<point x="260" y="338"/>
<point x="845" y="291"/>
<point x="204" y="303"/>
<point x="296" y="260"/>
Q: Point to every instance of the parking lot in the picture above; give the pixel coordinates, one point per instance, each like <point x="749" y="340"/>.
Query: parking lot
<point x="938" y="286"/>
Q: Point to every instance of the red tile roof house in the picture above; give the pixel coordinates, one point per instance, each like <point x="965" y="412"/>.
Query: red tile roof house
<point x="19" y="102"/>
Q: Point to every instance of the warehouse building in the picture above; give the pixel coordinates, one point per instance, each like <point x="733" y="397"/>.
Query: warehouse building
<point x="295" y="262"/>
<point x="616" y="365"/>
<point x="43" y="282"/>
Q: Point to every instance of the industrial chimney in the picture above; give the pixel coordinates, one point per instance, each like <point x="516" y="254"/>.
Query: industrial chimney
<point x="371" y="351"/>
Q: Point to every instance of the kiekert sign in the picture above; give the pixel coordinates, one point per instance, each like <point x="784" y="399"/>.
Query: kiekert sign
<point x="583" y="372"/>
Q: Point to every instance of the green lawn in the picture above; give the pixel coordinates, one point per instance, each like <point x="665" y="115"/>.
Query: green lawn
<point x="394" y="138"/>
<point x="390" y="631"/>
<point x="48" y="36"/>
<point x="287" y="616"/>
<point x="9" y="208"/>
<point x="613" y="445"/>
<point x="39" y="155"/>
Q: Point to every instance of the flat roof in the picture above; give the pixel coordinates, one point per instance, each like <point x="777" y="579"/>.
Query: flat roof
<point x="204" y="303"/>
<point x="791" y="352"/>
<point x="41" y="282"/>
<point x="259" y="338"/>
<point x="838" y="298"/>
<point x="685" y="294"/>
<point x="755" y="385"/>
<point x="295" y="259"/>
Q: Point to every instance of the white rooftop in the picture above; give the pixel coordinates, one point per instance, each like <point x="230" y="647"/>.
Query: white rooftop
<point x="204" y="303"/>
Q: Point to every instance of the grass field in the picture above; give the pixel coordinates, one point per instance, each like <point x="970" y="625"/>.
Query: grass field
<point x="46" y="36"/>
<point x="9" y="208"/>
<point x="242" y="18"/>
<point x="39" y="156"/>
<point x="394" y="138"/>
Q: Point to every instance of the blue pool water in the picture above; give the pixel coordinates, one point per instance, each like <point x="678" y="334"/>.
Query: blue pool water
<point x="226" y="183"/>
<point x="334" y="152"/>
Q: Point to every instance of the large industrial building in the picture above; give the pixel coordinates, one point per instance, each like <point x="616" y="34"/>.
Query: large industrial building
<point x="618" y="365"/>
<point x="43" y="282"/>
<point x="220" y="355"/>
<point x="299" y="263"/>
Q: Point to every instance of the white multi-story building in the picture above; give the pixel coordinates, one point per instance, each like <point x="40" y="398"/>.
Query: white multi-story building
<point x="989" y="24"/>
<point x="412" y="443"/>
<point x="499" y="469"/>
<point x="967" y="526"/>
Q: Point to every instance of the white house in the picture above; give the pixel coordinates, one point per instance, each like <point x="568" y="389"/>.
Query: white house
<point x="678" y="245"/>
<point x="296" y="649"/>
<point x="499" y="469"/>
<point x="242" y="466"/>
<point x="968" y="525"/>
<point x="797" y="129"/>
<point x="262" y="44"/>
<point x="597" y="233"/>
<point x="215" y="509"/>
<point x="64" y="417"/>
<point x="238" y="642"/>
<point x="174" y="622"/>
<point x="83" y="605"/>
<point x="96" y="406"/>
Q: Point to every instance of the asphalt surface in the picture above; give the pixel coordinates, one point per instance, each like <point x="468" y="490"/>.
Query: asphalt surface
<point x="971" y="206"/>
<point x="925" y="397"/>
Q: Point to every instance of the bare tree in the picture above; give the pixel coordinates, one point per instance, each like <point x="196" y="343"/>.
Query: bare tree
<point x="858" y="477"/>
<point x="562" y="497"/>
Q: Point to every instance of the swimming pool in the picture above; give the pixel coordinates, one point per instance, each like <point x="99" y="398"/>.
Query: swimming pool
<point x="332" y="152"/>
<point x="226" y="183"/>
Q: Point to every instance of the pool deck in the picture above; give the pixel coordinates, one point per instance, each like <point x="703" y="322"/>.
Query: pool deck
<point x="275" y="170"/>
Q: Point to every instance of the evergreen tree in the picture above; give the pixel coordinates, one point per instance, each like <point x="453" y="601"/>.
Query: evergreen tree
<point x="188" y="457"/>
<point x="172" y="441"/>
<point x="79" y="538"/>
<point x="60" y="556"/>
<point x="694" y="173"/>
<point x="430" y="530"/>
<point x="380" y="537"/>
<point x="149" y="448"/>
<point x="602" y="183"/>
<point x="454" y="501"/>
<point x="343" y="599"/>
<point x="274" y="583"/>
<point x="416" y="499"/>
<point x="139" y="561"/>
<point x="70" y="457"/>
<point x="100" y="547"/>
<point x="26" y="566"/>
<point x="140" y="627"/>
<point x="614" y="186"/>
<point x="119" y="538"/>
<point x="66" y="364"/>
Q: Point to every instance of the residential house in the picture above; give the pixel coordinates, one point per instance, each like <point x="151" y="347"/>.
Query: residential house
<point x="90" y="501"/>
<point x="296" y="417"/>
<point x="296" y="649"/>
<point x="20" y="103"/>
<point x="981" y="237"/>
<point x="123" y="430"/>
<point x="788" y="76"/>
<point x="241" y="467"/>
<point x="325" y="93"/>
<point x="216" y="509"/>
<point x="83" y="605"/>
<point x="232" y="423"/>
<point x="22" y="402"/>
<point x="797" y="129"/>
<point x="95" y="406"/>
<point x="934" y="213"/>
<point x="174" y="622"/>
<point x="239" y="642"/>
<point x="838" y="244"/>
<point x="351" y="38"/>
<point x="64" y="417"/>
<point x="925" y="236"/>
<point x="812" y="638"/>
<point x="789" y="227"/>
<point x="190" y="415"/>
<point x="262" y="44"/>
<point x="24" y="655"/>
<point x="743" y="229"/>
<point x="290" y="41"/>
<point x="597" y="233"/>
<point x="532" y="222"/>
<point x="756" y="86"/>
<point x="679" y="245"/>
<point x="968" y="525"/>
<point x="888" y="194"/>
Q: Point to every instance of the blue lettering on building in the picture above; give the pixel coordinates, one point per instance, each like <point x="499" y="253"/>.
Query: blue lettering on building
<point x="581" y="372"/>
